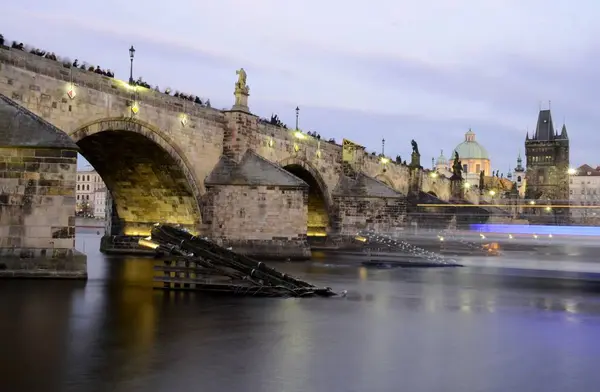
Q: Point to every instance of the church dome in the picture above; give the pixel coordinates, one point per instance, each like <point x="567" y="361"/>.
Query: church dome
<point x="441" y="160"/>
<point x="470" y="149"/>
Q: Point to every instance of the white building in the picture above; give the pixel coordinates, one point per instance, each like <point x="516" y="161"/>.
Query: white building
<point x="584" y="191"/>
<point x="89" y="187"/>
<point x="100" y="203"/>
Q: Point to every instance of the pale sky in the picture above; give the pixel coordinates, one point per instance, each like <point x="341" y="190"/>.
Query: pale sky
<point x="362" y="70"/>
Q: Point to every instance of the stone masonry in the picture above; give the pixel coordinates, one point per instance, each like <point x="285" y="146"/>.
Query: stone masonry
<point x="154" y="151"/>
<point x="37" y="197"/>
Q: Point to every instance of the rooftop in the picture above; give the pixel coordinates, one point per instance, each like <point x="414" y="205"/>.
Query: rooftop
<point x="252" y="170"/>
<point x="19" y="127"/>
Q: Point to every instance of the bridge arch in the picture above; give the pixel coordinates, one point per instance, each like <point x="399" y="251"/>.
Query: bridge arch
<point x="386" y="180"/>
<point x="146" y="173"/>
<point x="320" y="212"/>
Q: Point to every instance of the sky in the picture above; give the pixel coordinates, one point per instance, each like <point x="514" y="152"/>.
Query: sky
<point x="366" y="71"/>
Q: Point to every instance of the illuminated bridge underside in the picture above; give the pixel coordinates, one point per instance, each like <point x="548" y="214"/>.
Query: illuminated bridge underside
<point x="318" y="217"/>
<point x="147" y="185"/>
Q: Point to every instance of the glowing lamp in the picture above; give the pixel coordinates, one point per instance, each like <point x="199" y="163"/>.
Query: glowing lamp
<point x="492" y="193"/>
<point x="296" y="147"/>
<point x="532" y="202"/>
<point x="548" y="208"/>
<point x="572" y="171"/>
<point x="385" y="160"/>
<point x="71" y="91"/>
<point x="434" y="175"/>
<point x="135" y="108"/>
<point x="184" y="119"/>
<point x="299" y="135"/>
<point x="467" y="185"/>
<point x="271" y="142"/>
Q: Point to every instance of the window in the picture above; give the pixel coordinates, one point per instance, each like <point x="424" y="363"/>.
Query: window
<point x="77" y="186"/>
<point x="78" y="179"/>
<point x="465" y="168"/>
<point x="478" y="168"/>
<point x="78" y="197"/>
<point x="87" y="197"/>
<point x="88" y="177"/>
<point x="88" y="187"/>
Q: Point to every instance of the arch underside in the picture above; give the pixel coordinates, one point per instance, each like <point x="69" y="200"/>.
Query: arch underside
<point x="319" y="214"/>
<point x="146" y="183"/>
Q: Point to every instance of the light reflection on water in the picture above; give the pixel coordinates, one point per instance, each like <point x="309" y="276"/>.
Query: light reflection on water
<point x="463" y="329"/>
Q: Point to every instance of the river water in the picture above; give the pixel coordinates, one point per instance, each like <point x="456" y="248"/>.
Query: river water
<point x="469" y="329"/>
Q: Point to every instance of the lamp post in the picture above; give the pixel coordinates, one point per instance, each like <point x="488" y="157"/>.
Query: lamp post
<point x="382" y="147"/>
<point x="297" y="115"/>
<point x="131" y="55"/>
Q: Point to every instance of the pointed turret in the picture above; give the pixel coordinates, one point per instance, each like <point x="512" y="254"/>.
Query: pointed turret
<point x="563" y="132"/>
<point x="519" y="167"/>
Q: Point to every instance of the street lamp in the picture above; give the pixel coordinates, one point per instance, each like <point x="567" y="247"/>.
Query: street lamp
<point x="572" y="171"/>
<point x="297" y="114"/>
<point x="131" y="55"/>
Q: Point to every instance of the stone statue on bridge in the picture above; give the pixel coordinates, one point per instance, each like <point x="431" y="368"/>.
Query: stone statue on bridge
<point x="242" y="91"/>
<point x="457" y="167"/>
<point x="415" y="157"/>
<point x="415" y="147"/>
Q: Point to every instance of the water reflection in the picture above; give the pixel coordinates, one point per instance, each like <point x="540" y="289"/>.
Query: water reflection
<point x="480" y="329"/>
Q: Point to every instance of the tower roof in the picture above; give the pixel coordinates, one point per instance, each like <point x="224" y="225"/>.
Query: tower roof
<point x="441" y="160"/>
<point x="470" y="148"/>
<point x="544" y="129"/>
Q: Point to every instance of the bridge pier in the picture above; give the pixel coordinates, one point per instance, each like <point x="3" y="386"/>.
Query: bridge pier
<point x="37" y="198"/>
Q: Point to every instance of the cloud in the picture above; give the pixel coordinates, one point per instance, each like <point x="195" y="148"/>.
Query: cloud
<point x="364" y="70"/>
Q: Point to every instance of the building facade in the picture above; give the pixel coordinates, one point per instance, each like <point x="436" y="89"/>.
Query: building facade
<point x="90" y="190"/>
<point x="100" y="203"/>
<point x="584" y="195"/>
<point x="474" y="159"/>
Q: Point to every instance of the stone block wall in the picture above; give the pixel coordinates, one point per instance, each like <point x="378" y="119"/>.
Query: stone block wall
<point x="37" y="213"/>
<point x="259" y="220"/>
<point x="359" y="213"/>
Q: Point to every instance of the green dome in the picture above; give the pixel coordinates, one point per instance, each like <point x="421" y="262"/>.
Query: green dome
<point x="470" y="149"/>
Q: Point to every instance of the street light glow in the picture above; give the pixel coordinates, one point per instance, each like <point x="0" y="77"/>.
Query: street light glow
<point x="572" y="171"/>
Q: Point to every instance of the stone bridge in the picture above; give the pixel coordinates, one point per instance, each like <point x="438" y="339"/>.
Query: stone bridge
<point x="225" y="173"/>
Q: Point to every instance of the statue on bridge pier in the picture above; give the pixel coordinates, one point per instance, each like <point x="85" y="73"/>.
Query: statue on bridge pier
<point x="457" y="168"/>
<point x="415" y="147"/>
<point x="456" y="181"/>
<point x="242" y="91"/>
<point x="415" y="160"/>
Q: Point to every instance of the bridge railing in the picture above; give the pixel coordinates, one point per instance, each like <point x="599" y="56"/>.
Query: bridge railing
<point x="83" y="78"/>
